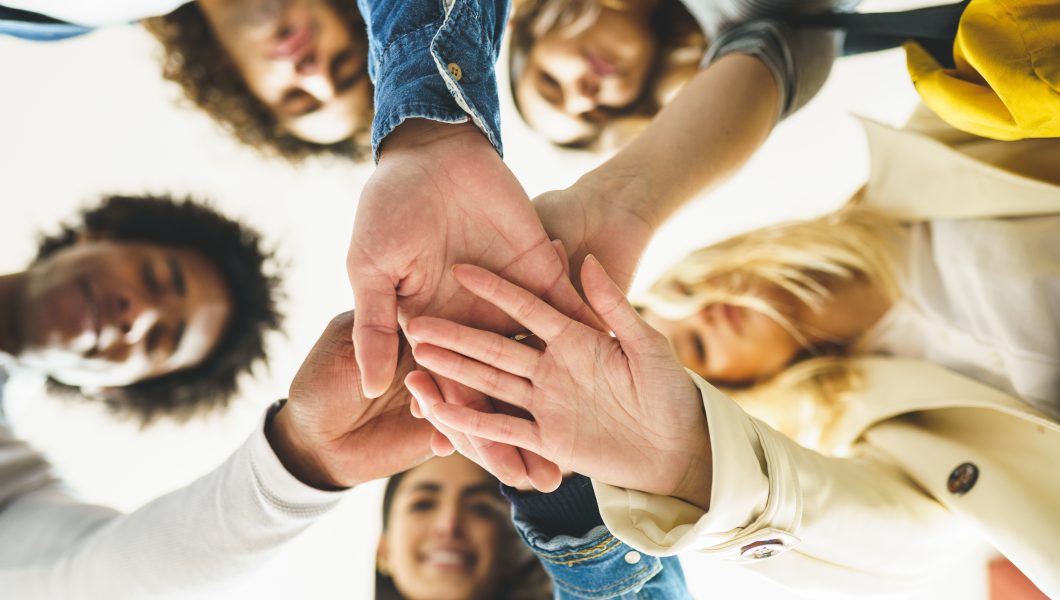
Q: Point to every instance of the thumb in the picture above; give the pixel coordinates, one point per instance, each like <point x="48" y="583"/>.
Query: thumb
<point x="608" y="301"/>
<point x="375" y="339"/>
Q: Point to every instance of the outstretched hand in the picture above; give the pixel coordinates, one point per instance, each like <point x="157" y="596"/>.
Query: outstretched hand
<point x="618" y="409"/>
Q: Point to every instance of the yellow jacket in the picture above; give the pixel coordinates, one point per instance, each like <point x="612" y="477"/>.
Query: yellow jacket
<point x="935" y="459"/>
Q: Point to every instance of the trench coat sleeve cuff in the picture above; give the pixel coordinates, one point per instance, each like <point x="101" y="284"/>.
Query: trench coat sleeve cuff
<point x="755" y="500"/>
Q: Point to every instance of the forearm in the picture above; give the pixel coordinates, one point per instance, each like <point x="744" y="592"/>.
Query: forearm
<point x="215" y="529"/>
<point x="800" y="517"/>
<point x="699" y="139"/>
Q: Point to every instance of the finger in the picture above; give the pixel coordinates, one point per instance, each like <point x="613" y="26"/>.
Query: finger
<point x="375" y="339"/>
<point x="503" y="461"/>
<point x="484" y="346"/>
<point x="497" y="427"/>
<point x="607" y="299"/>
<point x="440" y="445"/>
<point x="561" y="252"/>
<point x="491" y="381"/>
<point x="414" y="408"/>
<point x="543" y="474"/>
<point x="534" y="314"/>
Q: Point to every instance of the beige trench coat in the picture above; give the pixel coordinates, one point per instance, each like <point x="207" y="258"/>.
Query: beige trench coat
<point x="935" y="460"/>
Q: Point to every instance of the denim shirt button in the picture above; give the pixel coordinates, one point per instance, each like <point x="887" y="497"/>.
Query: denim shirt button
<point x="632" y="557"/>
<point x="455" y="71"/>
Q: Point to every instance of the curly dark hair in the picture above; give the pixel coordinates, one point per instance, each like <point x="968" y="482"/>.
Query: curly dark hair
<point x="194" y="59"/>
<point x="235" y="250"/>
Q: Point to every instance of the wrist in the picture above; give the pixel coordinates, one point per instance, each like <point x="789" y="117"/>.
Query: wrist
<point x="622" y="190"/>
<point x="419" y="135"/>
<point x="296" y="455"/>
<point x="695" y="476"/>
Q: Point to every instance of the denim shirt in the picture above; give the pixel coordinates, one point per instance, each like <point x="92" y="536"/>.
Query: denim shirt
<point x="434" y="59"/>
<point x="32" y="26"/>
<point x="594" y="564"/>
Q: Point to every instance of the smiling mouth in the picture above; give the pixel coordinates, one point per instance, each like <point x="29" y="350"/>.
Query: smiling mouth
<point x="449" y="560"/>
<point x="601" y="67"/>
<point x="294" y="41"/>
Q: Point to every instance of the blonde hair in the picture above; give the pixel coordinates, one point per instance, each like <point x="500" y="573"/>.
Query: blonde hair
<point x="804" y="401"/>
<point x="682" y="45"/>
<point x="804" y="260"/>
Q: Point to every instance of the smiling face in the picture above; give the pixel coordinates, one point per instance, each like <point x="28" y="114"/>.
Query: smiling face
<point x="444" y="532"/>
<point x="573" y="83"/>
<point x="301" y="60"/>
<point x="729" y="343"/>
<point x="108" y="314"/>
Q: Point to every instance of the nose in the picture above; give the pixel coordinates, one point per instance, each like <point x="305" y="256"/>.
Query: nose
<point x="447" y="522"/>
<point x="314" y="78"/>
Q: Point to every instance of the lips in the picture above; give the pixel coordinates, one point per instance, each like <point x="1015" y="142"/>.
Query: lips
<point x="448" y="559"/>
<point x="294" y="42"/>
<point x="601" y="66"/>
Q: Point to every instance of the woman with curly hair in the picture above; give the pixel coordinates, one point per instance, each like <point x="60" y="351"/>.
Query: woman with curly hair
<point x="288" y="77"/>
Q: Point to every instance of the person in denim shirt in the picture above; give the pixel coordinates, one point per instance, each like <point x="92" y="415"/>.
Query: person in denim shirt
<point x="441" y="193"/>
<point x="566" y="532"/>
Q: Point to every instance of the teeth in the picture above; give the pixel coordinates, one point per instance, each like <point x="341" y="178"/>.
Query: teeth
<point x="447" y="558"/>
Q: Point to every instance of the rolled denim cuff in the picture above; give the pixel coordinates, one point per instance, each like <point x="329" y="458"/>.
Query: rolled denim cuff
<point x="441" y="72"/>
<point x="596" y="565"/>
<point x="569" y="510"/>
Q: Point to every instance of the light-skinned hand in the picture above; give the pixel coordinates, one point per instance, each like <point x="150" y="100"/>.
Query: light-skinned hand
<point x="618" y="409"/>
<point x="440" y="195"/>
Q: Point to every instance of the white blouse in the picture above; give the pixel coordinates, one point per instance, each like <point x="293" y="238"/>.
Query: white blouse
<point x="981" y="297"/>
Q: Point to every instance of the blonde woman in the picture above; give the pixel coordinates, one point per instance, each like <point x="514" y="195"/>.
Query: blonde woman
<point x="919" y="462"/>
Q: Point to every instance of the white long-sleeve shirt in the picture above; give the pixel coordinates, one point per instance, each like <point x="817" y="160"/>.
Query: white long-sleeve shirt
<point x="218" y="527"/>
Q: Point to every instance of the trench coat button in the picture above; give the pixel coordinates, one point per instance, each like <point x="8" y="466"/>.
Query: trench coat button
<point x="455" y="71"/>
<point x="962" y="478"/>
<point x="632" y="557"/>
<point x="762" y="549"/>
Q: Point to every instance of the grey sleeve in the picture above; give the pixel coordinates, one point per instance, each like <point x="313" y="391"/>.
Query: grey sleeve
<point x="800" y="59"/>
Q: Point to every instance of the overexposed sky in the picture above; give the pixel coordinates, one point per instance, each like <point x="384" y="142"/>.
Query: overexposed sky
<point x="90" y="116"/>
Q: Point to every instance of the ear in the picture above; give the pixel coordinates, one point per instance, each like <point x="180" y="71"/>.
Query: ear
<point x="381" y="563"/>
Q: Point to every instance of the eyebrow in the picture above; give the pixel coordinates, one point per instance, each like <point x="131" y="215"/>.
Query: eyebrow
<point x="436" y="488"/>
<point x="176" y="274"/>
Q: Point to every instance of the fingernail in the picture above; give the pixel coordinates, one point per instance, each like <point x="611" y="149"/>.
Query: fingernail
<point x="591" y="258"/>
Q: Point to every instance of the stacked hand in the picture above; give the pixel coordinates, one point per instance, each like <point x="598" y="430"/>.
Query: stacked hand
<point x="329" y="435"/>
<point x="618" y="409"/>
<point x="441" y="195"/>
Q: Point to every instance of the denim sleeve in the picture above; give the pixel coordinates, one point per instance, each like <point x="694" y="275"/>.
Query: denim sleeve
<point x="593" y="564"/>
<point x="41" y="28"/>
<point x="434" y="59"/>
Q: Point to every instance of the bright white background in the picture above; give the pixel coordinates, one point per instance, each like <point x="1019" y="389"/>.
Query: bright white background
<point x="91" y="116"/>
